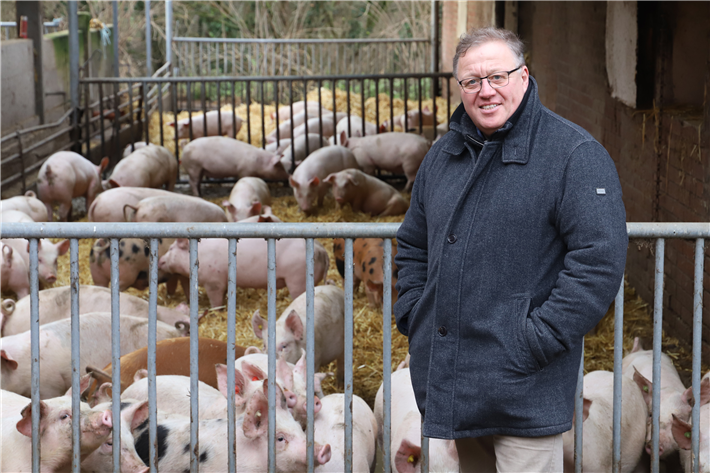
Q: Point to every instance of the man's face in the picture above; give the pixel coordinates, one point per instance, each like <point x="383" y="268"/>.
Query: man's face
<point x="490" y="108"/>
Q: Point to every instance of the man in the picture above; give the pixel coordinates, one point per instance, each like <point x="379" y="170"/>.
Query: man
<point x="513" y="248"/>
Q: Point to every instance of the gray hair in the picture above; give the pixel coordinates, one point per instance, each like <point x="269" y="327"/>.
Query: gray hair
<point x="479" y="36"/>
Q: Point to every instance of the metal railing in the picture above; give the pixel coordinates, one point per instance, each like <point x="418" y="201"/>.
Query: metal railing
<point x="349" y="231"/>
<point x="201" y="57"/>
<point x="6" y="25"/>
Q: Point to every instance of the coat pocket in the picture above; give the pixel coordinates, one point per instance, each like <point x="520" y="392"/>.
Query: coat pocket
<point x="525" y="353"/>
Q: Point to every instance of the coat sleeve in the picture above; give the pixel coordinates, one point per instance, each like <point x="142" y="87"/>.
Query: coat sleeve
<point x="412" y="254"/>
<point x="591" y="220"/>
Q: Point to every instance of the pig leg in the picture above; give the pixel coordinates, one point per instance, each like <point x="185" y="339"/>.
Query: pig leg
<point x="195" y="177"/>
<point x="64" y="211"/>
<point x="185" y="284"/>
<point x="171" y="183"/>
<point x="341" y="371"/>
<point x="171" y="285"/>
<point x="395" y="207"/>
<point x="50" y="210"/>
<point x="215" y="292"/>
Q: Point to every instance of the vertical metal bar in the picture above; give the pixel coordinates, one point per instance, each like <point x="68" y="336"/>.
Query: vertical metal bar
<point x="231" y="341"/>
<point x="377" y="104"/>
<point x="305" y="109"/>
<point x="115" y="352"/>
<point x="387" y="354"/>
<point x="130" y="114"/>
<point x="421" y="112"/>
<point x="160" y="113"/>
<point x="290" y="102"/>
<point x="618" y="355"/>
<point x="248" y="101"/>
<point x="263" y="125"/>
<point x="271" y="298"/>
<point x="101" y="122"/>
<point x="194" y="366"/>
<point x="87" y="119"/>
<point x="348" y="284"/>
<point x="115" y="37"/>
<point x="657" y="336"/>
<point x="174" y="94"/>
<point x="578" y="412"/>
<point x="347" y="92"/>
<point x="234" y="110"/>
<point x="406" y="105"/>
<point x="34" y="344"/>
<point x="75" y="354"/>
<point x="320" y="116"/>
<point x="169" y="31"/>
<point x="362" y="105"/>
<point x="219" y="109"/>
<point x="391" y="91"/>
<point x="189" y="110"/>
<point x="276" y="102"/>
<point x="697" y="348"/>
<point x="148" y="45"/>
<point x="425" y="450"/>
<point x="146" y="115"/>
<point x="310" y="351"/>
<point x="204" y="109"/>
<point x="22" y="163"/>
<point x="152" y="341"/>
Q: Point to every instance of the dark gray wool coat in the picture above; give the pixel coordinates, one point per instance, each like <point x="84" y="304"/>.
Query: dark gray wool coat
<point x="510" y="252"/>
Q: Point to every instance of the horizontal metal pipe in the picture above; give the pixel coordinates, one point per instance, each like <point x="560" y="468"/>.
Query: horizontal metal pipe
<point x="34" y="146"/>
<point x="183" y="39"/>
<point x="281" y="230"/>
<point x="36" y="128"/>
<point x="109" y="80"/>
<point x="198" y="230"/>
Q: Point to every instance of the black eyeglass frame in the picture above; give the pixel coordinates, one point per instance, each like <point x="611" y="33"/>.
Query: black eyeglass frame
<point x="489" y="81"/>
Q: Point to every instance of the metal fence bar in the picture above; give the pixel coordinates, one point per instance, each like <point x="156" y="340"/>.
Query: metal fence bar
<point x="578" y="413"/>
<point x="657" y="339"/>
<point x="271" y="298"/>
<point x="618" y="355"/>
<point x="231" y="352"/>
<point x="387" y="355"/>
<point x="75" y="354"/>
<point x="152" y="342"/>
<point x="194" y="366"/>
<point x="348" y="378"/>
<point x="34" y="344"/>
<point x="697" y="349"/>
<point x="310" y="352"/>
<point x="115" y="352"/>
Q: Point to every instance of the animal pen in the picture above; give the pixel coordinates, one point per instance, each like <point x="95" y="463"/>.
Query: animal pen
<point x="208" y="75"/>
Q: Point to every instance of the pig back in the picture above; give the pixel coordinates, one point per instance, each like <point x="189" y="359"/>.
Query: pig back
<point x="108" y="206"/>
<point x="178" y="208"/>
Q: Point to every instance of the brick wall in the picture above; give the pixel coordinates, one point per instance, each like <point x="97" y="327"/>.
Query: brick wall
<point x="662" y="155"/>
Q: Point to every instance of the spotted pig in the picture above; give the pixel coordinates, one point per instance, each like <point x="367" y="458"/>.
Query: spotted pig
<point x="367" y="266"/>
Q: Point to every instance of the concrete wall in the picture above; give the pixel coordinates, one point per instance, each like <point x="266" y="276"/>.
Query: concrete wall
<point x="663" y="153"/>
<point x="18" y="99"/>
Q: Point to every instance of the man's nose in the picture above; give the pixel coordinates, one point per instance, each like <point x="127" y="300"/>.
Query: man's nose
<point x="486" y="89"/>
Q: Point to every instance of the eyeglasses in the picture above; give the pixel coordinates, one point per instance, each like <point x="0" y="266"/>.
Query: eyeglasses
<point x="496" y="80"/>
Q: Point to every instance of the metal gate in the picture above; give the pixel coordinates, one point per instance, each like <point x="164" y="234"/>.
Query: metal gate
<point x="270" y="231"/>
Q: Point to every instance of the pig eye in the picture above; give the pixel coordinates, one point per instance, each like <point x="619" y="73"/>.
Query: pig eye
<point x="64" y="416"/>
<point x="280" y="438"/>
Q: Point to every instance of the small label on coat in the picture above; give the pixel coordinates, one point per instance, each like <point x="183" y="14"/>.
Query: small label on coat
<point x="601" y="191"/>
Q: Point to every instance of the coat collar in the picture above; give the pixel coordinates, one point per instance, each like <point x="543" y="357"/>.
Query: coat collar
<point x="514" y="136"/>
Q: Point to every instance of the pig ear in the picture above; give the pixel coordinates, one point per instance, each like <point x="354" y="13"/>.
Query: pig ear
<point x="8" y="360"/>
<point x="129" y="212"/>
<point x="295" y="325"/>
<point x="352" y="178"/>
<point x="283" y="402"/>
<point x="681" y="433"/>
<point x="646" y="387"/>
<point x="140" y="374"/>
<point x="226" y="204"/>
<point x="63" y="247"/>
<point x="300" y="368"/>
<point x="257" y="324"/>
<point x="318" y="380"/>
<point x="705" y="391"/>
<point x="103" y="165"/>
<point x="330" y="179"/>
<point x="284" y="372"/>
<point x="252" y="372"/>
<point x="110" y="184"/>
<point x="275" y="161"/>
<point x="343" y="139"/>
<point x="30" y="194"/>
<point x="293" y="182"/>
<point x="256" y="207"/>
<point x="407" y="457"/>
<point x="7" y="251"/>
<point x="426" y="108"/>
<point x="24" y="426"/>
<point x="136" y="414"/>
<point x="587" y="404"/>
<point x="637" y="345"/>
<point x="102" y="394"/>
<point x="314" y="182"/>
<point x="239" y="383"/>
<point x="252" y="350"/>
<point x="171" y="124"/>
<point x="182" y="243"/>
<point x="256" y="417"/>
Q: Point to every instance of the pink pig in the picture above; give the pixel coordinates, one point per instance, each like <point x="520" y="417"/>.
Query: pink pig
<point x="15" y="274"/>
<point x="251" y="264"/>
<point x="213" y="118"/>
<point x="366" y="193"/>
<point x="355" y="127"/>
<point x="149" y="166"/>
<point x="250" y="196"/>
<point x="55" y="350"/>
<point x="400" y="153"/>
<point x="225" y="157"/>
<point x="65" y="175"/>
<point x="413" y="118"/>
<point x="28" y="204"/>
<point x="55" y="304"/>
<point x="291" y="328"/>
<point x="108" y="206"/>
<point x="675" y="399"/>
<point x="285" y="111"/>
<point x="682" y="432"/>
<point x="55" y="431"/>
<point x="406" y="431"/>
<point x="598" y="424"/>
<point x="296" y="151"/>
<point x="47" y="254"/>
<point x="174" y="208"/>
<point x="307" y="180"/>
<point x="284" y="128"/>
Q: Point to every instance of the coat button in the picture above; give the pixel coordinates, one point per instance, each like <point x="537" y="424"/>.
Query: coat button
<point x="451" y="238"/>
<point x="442" y="331"/>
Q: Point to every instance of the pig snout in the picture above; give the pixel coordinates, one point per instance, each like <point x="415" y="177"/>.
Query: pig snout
<point x="100" y="424"/>
<point x="291" y="398"/>
<point x="322" y="453"/>
<point x="50" y="278"/>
